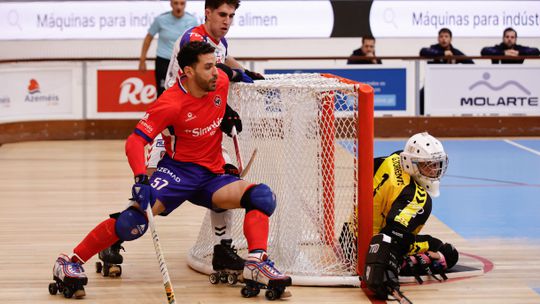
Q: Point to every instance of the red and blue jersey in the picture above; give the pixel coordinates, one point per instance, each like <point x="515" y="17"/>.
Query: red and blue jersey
<point x="191" y="125"/>
<point x="197" y="33"/>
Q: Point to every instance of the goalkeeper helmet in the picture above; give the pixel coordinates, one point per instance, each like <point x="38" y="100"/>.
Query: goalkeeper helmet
<point x="425" y="161"/>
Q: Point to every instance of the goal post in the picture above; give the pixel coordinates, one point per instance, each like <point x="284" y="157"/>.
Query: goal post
<point x="314" y="139"/>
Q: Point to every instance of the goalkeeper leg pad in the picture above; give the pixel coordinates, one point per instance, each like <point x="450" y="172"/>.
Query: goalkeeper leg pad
<point x="381" y="270"/>
<point x="131" y="224"/>
<point x="259" y="197"/>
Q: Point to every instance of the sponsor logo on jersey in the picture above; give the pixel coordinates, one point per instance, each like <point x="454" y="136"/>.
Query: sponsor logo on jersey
<point x="169" y="173"/>
<point x="398" y="171"/>
<point x="217" y="101"/>
<point x="190" y="116"/>
<point x="160" y="143"/>
<point x="35" y="95"/>
<point x="145" y="117"/>
<point x="146" y="125"/>
<point x="210" y="129"/>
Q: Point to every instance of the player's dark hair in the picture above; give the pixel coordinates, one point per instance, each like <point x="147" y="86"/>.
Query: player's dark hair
<point x="509" y="29"/>
<point x="446" y="30"/>
<point x="213" y="4"/>
<point x="189" y="54"/>
<point x="368" y="37"/>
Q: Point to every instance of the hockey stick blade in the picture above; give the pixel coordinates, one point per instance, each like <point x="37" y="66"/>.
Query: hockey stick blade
<point x="400" y="297"/>
<point x="250" y="162"/>
<point x="169" y="290"/>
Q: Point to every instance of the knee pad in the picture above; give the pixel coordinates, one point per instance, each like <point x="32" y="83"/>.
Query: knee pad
<point x="131" y="224"/>
<point x="259" y="197"/>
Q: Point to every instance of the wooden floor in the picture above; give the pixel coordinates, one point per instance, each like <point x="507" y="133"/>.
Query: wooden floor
<point x="53" y="193"/>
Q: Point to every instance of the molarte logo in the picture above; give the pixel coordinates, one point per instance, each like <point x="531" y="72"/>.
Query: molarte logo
<point x="515" y="100"/>
<point x="35" y="95"/>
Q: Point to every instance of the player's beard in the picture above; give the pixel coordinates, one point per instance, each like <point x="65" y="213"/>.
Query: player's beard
<point x="208" y="86"/>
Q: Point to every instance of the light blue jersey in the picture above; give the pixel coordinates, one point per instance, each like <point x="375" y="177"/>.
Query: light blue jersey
<point x="169" y="29"/>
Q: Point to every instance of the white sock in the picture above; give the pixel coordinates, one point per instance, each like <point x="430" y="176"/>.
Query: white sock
<point x="221" y="225"/>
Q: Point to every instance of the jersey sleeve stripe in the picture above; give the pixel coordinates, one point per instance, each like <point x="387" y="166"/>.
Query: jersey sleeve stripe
<point x="144" y="136"/>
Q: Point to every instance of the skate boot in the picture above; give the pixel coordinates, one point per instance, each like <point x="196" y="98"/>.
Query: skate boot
<point x="69" y="278"/>
<point x="111" y="259"/>
<point x="227" y="265"/>
<point x="259" y="272"/>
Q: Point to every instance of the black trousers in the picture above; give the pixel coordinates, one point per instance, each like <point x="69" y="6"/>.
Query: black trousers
<point x="162" y="65"/>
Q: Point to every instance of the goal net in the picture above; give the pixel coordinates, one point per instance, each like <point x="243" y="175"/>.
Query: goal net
<point x="314" y="139"/>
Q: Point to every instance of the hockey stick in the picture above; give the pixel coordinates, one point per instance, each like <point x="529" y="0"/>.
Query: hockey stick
<point x="250" y="162"/>
<point x="400" y="297"/>
<point x="237" y="150"/>
<point x="161" y="259"/>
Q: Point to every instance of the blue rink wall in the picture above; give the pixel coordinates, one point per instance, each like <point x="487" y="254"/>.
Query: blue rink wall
<point x="491" y="188"/>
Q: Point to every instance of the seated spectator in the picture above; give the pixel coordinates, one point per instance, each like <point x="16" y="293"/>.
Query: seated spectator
<point x="444" y="48"/>
<point x="367" y="49"/>
<point x="508" y="47"/>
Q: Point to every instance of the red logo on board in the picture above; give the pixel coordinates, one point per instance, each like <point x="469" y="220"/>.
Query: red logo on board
<point x="125" y="90"/>
<point x="33" y="86"/>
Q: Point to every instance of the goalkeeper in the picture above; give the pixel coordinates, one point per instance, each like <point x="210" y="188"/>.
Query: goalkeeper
<point x="403" y="185"/>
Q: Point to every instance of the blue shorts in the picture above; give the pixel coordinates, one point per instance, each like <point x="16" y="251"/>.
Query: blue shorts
<point x="176" y="182"/>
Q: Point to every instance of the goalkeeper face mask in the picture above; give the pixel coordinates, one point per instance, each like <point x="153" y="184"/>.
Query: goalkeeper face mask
<point x="425" y="161"/>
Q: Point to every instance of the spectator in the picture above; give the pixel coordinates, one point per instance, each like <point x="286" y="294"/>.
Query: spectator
<point x="169" y="26"/>
<point x="443" y="49"/>
<point x="367" y="49"/>
<point x="508" y="47"/>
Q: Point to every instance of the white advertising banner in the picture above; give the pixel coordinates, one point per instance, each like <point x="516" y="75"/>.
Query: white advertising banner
<point x="464" y="18"/>
<point x="131" y="19"/>
<point x="482" y="90"/>
<point x="42" y="93"/>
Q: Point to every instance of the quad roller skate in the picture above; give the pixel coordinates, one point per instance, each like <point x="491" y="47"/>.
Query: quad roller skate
<point x="69" y="278"/>
<point x="260" y="273"/>
<point x="227" y="265"/>
<point x="111" y="260"/>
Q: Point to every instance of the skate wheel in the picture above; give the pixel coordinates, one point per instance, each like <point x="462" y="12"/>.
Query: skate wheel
<point x="99" y="267"/>
<point x="115" y="271"/>
<point x="214" y="278"/>
<point x="245" y="292"/>
<point x="80" y="293"/>
<point x="232" y="279"/>
<point x="106" y="268"/>
<point x="223" y="278"/>
<point x="68" y="293"/>
<point x="271" y="294"/>
<point x="53" y="289"/>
